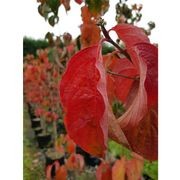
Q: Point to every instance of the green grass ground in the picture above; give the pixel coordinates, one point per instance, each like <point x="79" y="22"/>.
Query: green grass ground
<point x="33" y="163"/>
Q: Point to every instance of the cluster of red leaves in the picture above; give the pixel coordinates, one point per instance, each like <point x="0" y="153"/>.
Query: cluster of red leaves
<point x="107" y="170"/>
<point x="122" y="169"/>
<point x="87" y="92"/>
<point x="65" y="144"/>
<point x="60" y="171"/>
<point x="41" y="85"/>
<point x="74" y="162"/>
<point x="90" y="32"/>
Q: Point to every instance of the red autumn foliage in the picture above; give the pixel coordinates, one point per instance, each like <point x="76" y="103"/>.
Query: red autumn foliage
<point x="81" y="95"/>
<point x="104" y="171"/>
<point x="134" y="120"/>
<point x="70" y="145"/>
<point x="90" y="32"/>
<point x="79" y="1"/>
<point x="49" y="169"/>
<point x="119" y="169"/>
<point x="118" y="87"/>
<point x="123" y="168"/>
<point x="128" y="169"/>
<point x="75" y="162"/>
<point x="41" y="85"/>
<point x="130" y="34"/>
<point x="61" y="173"/>
<point x="134" y="167"/>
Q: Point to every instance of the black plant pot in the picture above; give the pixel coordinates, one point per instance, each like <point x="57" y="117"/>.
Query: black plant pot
<point x="89" y="160"/>
<point x="32" y="115"/>
<point x="35" y="122"/>
<point x="61" y="128"/>
<point x="31" y="111"/>
<point x="43" y="140"/>
<point x="54" y="156"/>
<point x="37" y="130"/>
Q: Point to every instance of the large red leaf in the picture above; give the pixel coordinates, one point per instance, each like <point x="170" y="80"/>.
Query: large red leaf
<point x="130" y="34"/>
<point x="139" y="122"/>
<point x="138" y="106"/>
<point x="84" y="98"/>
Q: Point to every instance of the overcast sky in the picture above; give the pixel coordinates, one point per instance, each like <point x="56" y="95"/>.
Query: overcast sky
<point x="35" y="26"/>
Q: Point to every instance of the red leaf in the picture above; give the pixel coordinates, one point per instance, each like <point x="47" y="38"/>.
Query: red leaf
<point x="117" y="86"/>
<point x="48" y="172"/>
<point x="151" y="82"/>
<point x="70" y="145"/>
<point x="138" y="106"/>
<point x="86" y="15"/>
<point x="130" y="34"/>
<point x="66" y="4"/>
<point x="90" y="32"/>
<point x="144" y="138"/>
<point x="114" y="130"/>
<point x="49" y="169"/>
<point x="104" y="172"/>
<point x="79" y="1"/>
<point x="119" y="169"/>
<point x="84" y="98"/>
<point x="134" y="168"/>
<point x="75" y="162"/>
<point x="61" y="173"/>
<point x="139" y="122"/>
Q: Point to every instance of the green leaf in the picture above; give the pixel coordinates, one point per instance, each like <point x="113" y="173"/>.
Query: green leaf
<point x="151" y="169"/>
<point x="44" y="10"/>
<point x="54" y="5"/>
<point x="53" y="20"/>
<point x="118" y="150"/>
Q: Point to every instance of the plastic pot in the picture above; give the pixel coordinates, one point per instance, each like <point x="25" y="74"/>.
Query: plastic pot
<point x="43" y="140"/>
<point x="35" y="122"/>
<point x="52" y="156"/>
<point x="89" y="160"/>
<point x="31" y="111"/>
<point x="37" y="130"/>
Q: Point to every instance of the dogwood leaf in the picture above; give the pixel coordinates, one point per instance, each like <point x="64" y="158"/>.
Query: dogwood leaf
<point x="139" y="122"/>
<point x="84" y="98"/>
<point x="130" y="34"/>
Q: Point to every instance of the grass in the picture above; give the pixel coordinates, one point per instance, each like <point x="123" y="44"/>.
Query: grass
<point x="33" y="165"/>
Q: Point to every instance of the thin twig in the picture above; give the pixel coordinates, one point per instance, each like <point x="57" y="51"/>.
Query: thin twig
<point x="101" y="23"/>
<point x="121" y="75"/>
